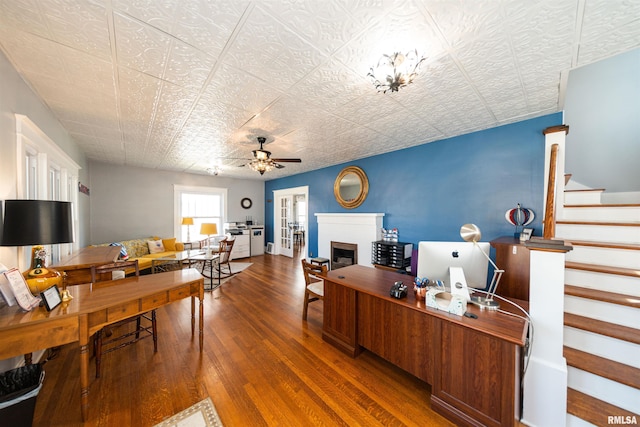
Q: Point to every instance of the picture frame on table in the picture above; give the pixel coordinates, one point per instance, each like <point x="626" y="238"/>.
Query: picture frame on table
<point x="21" y="291"/>
<point x="51" y="297"/>
<point x="526" y="234"/>
<point x="5" y="288"/>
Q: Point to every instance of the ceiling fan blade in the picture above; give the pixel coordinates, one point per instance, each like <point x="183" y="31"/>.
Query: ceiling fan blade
<point x="288" y="160"/>
<point x="278" y="165"/>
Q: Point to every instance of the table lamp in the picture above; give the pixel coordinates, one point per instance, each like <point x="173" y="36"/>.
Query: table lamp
<point x="188" y="221"/>
<point x="37" y="223"/>
<point x="471" y="233"/>
<point x="209" y="229"/>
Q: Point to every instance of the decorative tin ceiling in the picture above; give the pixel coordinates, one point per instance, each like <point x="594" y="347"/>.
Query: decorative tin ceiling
<point x="186" y="85"/>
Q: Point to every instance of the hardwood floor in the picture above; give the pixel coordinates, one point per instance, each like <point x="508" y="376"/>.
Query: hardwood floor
<point x="262" y="365"/>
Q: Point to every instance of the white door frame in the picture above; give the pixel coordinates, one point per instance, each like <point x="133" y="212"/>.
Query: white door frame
<point x="277" y="194"/>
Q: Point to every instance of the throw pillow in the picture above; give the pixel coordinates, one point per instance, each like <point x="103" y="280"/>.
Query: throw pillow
<point x="169" y="244"/>
<point x="155" y="246"/>
<point x="123" y="251"/>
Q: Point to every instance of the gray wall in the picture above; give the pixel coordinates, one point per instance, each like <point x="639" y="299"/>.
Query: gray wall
<point x="129" y="202"/>
<point x="602" y="109"/>
<point x="17" y="97"/>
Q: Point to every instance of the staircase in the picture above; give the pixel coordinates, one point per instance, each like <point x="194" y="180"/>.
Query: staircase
<point x="602" y="309"/>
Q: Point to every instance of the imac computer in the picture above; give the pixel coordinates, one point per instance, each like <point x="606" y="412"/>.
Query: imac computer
<point x="435" y="259"/>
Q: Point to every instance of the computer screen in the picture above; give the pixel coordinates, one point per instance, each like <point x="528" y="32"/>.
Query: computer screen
<point x="435" y="258"/>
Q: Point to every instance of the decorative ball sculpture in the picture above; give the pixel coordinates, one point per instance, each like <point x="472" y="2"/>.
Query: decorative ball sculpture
<point x="519" y="217"/>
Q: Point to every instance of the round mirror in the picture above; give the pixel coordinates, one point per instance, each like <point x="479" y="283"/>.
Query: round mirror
<point x="351" y="187"/>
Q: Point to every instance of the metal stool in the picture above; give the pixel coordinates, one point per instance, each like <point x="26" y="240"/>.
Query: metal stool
<point x="320" y="261"/>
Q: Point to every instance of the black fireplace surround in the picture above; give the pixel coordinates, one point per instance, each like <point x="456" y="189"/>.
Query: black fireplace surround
<point x="343" y="254"/>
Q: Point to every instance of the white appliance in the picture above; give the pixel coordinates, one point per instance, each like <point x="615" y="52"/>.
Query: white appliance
<point x="257" y="239"/>
<point x="242" y="246"/>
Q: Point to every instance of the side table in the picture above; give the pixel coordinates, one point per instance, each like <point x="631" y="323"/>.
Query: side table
<point x="208" y="262"/>
<point x="320" y="261"/>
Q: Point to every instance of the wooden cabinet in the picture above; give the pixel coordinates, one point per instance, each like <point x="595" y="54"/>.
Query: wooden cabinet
<point x="512" y="256"/>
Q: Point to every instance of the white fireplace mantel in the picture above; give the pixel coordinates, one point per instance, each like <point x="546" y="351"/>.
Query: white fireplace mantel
<point x="359" y="228"/>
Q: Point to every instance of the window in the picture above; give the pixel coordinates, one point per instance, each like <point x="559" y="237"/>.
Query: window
<point x="301" y="211"/>
<point x="204" y="205"/>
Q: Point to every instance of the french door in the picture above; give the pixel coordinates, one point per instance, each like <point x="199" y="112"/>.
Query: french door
<point x="283" y="229"/>
<point x="284" y="218"/>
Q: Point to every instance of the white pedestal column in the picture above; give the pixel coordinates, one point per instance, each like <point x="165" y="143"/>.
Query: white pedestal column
<point x="545" y="382"/>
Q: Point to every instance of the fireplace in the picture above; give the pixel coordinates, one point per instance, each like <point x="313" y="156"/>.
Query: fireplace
<point x="360" y="229"/>
<point x="343" y="254"/>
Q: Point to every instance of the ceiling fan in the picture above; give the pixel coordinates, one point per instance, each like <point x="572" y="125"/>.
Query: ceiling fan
<point x="262" y="161"/>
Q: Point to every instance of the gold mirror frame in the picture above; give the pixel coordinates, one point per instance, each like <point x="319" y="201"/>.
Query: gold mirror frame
<point x="364" y="187"/>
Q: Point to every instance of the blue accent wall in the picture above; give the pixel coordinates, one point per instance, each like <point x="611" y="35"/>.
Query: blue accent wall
<point x="429" y="191"/>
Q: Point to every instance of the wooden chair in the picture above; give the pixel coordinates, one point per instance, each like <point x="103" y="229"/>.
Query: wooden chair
<point x="314" y="284"/>
<point x="224" y="252"/>
<point x="107" y="340"/>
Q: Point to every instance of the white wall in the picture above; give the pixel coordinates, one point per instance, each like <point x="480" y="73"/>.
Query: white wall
<point x="129" y="202"/>
<point x="602" y="109"/>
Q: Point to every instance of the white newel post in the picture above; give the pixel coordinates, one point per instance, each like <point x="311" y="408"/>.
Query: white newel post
<point x="545" y="382"/>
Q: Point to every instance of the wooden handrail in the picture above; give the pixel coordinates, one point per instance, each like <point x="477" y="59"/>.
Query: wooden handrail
<point x="550" y="207"/>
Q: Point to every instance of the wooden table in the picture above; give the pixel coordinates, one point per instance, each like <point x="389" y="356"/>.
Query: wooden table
<point x="78" y="264"/>
<point x="473" y="365"/>
<point x="91" y="310"/>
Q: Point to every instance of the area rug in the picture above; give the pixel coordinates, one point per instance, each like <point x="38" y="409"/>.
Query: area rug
<point x="236" y="267"/>
<point x="202" y="414"/>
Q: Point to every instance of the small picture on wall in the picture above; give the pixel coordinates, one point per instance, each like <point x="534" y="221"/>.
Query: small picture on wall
<point x="83" y="189"/>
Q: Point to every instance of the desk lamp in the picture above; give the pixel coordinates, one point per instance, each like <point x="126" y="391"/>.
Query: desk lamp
<point x="471" y="233"/>
<point x="188" y="221"/>
<point x="209" y="229"/>
<point x="36" y="223"/>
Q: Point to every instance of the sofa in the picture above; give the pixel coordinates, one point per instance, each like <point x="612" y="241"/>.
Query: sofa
<point x="146" y="249"/>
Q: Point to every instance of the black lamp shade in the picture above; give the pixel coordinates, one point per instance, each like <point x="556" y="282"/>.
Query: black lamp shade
<point x="36" y="222"/>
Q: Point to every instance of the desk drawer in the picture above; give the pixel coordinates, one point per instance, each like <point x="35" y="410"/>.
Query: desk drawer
<point x="154" y="301"/>
<point x="182" y="292"/>
<point x="123" y="311"/>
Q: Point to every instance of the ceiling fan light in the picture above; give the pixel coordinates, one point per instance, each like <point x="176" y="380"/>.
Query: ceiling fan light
<point x="262" y="165"/>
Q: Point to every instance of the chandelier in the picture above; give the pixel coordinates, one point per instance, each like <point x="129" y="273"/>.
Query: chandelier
<point x="395" y="71"/>
<point x="262" y="165"/>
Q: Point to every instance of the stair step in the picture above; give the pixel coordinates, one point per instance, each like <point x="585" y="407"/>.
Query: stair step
<point x="609" y="245"/>
<point x="579" y="197"/>
<point x="626" y="285"/>
<point x="612" y="330"/>
<point x="604" y="296"/>
<point x="605" y="205"/>
<point x="610" y="231"/>
<point x="600" y="223"/>
<point x="603" y="269"/>
<point x="612" y="370"/>
<point x="601" y="212"/>
<point x="593" y="410"/>
<point x="611" y="255"/>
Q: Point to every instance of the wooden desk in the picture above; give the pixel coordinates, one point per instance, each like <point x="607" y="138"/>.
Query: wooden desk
<point x="91" y="310"/>
<point x="78" y="264"/>
<point x="473" y="365"/>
